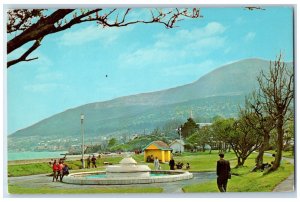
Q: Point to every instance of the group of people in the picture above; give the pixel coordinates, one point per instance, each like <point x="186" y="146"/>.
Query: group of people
<point x="91" y="160"/>
<point x="171" y="164"/>
<point x="60" y="169"/>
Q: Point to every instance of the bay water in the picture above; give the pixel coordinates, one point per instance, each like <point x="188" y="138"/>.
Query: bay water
<point x="12" y="156"/>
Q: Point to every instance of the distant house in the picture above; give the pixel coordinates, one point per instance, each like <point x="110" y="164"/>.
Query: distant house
<point x="177" y="146"/>
<point x="203" y="124"/>
<point x="157" y="149"/>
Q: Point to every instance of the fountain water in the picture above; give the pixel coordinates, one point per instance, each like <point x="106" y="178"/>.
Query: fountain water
<point x="128" y="168"/>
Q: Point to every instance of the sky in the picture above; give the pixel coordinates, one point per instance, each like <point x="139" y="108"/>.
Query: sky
<point x="72" y="65"/>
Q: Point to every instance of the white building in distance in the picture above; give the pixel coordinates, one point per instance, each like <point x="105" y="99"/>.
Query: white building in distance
<point x="177" y="146"/>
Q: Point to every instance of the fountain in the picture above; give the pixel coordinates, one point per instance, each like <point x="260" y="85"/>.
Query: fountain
<point x="128" y="168"/>
<point x="127" y="172"/>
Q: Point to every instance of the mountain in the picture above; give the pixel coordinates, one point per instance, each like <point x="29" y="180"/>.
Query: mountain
<point x="217" y="93"/>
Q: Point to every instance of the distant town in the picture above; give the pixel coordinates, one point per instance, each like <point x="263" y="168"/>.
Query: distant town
<point x="70" y="144"/>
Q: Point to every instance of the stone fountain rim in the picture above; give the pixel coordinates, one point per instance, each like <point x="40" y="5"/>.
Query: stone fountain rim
<point x="177" y="175"/>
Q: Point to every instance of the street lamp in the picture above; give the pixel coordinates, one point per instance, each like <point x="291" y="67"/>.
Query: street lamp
<point x="179" y="132"/>
<point x="82" y="133"/>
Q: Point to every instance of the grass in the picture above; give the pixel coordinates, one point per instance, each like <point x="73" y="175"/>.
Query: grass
<point x="287" y="154"/>
<point x="43" y="168"/>
<point x="247" y="181"/>
<point x="199" y="161"/>
<point x="28" y="169"/>
<point x="203" y="161"/>
<point x="15" y="189"/>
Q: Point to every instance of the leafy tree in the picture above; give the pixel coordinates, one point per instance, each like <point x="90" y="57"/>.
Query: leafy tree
<point x="33" y="25"/>
<point x="221" y="128"/>
<point x="189" y="128"/>
<point x="201" y="137"/>
<point x="276" y="93"/>
<point x="112" y="142"/>
<point x="243" y="139"/>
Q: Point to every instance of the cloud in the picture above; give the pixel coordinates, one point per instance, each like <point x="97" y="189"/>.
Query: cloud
<point x="43" y="87"/>
<point x="249" y="36"/>
<point x="239" y="21"/>
<point x="49" y="76"/>
<point x="178" y="46"/>
<point x="92" y="33"/>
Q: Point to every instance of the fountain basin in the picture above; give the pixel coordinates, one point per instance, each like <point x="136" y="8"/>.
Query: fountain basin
<point x="127" y="172"/>
<point x="160" y="177"/>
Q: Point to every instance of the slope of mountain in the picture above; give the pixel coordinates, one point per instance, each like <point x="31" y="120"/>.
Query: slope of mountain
<point x="217" y="93"/>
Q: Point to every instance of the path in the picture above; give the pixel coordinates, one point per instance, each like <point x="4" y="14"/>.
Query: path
<point x="43" y="180"/>
<point x="286" y="185"/>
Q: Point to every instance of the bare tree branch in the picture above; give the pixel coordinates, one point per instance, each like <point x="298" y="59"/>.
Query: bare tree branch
<point x="26" y="54"/>
<point x="59" y="20"/>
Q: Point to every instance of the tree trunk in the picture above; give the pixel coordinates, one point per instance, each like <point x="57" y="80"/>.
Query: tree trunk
<point x="243" y="161"/>
<point x="280" y="133"/>
<point x="239" y="162"/>
<point x="260" y="157"/>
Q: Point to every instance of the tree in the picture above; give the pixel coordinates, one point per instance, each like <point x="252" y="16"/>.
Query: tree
<point x="201" y="137"/>
<point x="112" y="142"/>
<point x="243" y="139"/>
<point x="221" y="129"/>
<point x="255" y="117"/>
<point x="32" y="25"/>
<point x="189" y="128"/>
<point x="276" y="93"/>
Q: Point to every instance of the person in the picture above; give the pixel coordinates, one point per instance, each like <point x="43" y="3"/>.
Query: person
<point x="89" y="162"/>
<point x="151" y="158"/>
<point x="55" y="169"/>
<point x="272" y="162"/>
<point x="156" y="163"/>
<point x="187" y="166"/>
<point x="65" y="171"/>
<point x="94" y="161"/>
<point x="223" y="173"/>
<point x="172" y="164"/>
<point x="60" y="171"/>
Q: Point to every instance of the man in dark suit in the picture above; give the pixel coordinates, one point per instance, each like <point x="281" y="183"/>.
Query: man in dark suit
<point x="223" y="173"/>
<point x="172" y="164"/>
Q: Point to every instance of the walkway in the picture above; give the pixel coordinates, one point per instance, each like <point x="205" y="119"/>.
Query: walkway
<point x="286" y="185"/>
<point x="43" y="180"/>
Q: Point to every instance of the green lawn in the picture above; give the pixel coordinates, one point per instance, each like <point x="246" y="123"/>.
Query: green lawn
<point x="14" y="189"/>
<point x="199" y="161"/>
<point x="287" y="154"/>
<point x="41" y="168"/>
<point x="247" y="181"/>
